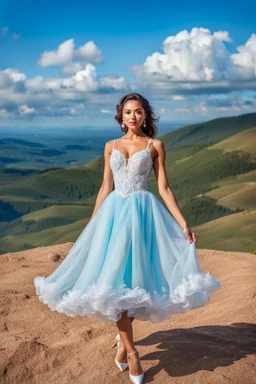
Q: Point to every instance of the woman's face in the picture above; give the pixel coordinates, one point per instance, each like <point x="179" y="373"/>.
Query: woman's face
<point x="133" y="112"/>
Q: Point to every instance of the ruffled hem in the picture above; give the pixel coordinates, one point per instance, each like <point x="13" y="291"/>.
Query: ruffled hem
<point x="107" y="304"/>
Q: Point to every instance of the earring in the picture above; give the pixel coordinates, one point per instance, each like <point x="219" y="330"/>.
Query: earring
<point x="144" y="123"/>
<point x="123" y="126"/>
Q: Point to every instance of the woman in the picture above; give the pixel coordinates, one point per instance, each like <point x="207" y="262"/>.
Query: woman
<point x="133" y="259"/>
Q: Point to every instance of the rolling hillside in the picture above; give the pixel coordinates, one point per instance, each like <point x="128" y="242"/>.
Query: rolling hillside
<point x="211" y="170"/>
<point x="229" y="232"/>
<point x="208" y="132"/>
<point x="243" y="141"/>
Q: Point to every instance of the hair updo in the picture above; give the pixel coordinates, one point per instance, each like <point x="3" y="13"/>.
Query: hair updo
<point x="150" y="129"/>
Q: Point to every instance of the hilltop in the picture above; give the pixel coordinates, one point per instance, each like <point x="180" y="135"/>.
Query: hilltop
<point x="211" y="344"/>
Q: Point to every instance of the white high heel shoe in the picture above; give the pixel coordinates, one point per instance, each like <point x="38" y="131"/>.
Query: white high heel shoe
<point x="135" y="379"/>
<point x="121" y="366"/>
<point x="117" y="338"/>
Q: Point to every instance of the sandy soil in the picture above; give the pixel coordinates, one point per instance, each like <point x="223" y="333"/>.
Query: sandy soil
<point x="213" y="344"/>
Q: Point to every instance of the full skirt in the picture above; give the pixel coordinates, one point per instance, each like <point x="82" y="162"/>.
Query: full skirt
<point x="132" y="256"/>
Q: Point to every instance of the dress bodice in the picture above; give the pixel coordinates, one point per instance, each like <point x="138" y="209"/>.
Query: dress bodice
<point x="131" y="177"/>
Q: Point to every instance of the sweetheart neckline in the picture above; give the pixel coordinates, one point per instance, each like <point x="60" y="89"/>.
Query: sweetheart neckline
<point x="141" y="150"/>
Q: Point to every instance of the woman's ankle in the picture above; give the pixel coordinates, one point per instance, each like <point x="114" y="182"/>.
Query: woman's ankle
<point x="132" y="352"/>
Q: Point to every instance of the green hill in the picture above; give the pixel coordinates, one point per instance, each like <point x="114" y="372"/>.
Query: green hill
<point x="211" y="169"/>
<point x="241" y="195"/>
<point x="243" y="141"/>
<point x="234" y="232"/>
<point x="237" y="191"/>
<point x="56" y="235"/>
<point x="208" y="132"/>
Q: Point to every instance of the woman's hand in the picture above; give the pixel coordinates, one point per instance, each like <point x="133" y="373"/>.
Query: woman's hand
<point x="191" y="235"/>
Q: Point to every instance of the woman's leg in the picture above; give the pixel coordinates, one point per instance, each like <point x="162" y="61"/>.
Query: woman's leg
<point x="127" y="345"/>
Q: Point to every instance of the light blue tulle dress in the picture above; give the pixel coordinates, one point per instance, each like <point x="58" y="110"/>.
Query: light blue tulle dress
<point x="132" y="256"/>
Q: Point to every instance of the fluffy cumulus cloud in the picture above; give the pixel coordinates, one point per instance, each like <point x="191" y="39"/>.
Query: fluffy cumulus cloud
<point x="10" y="76"/>
<point x="39" y="96"/>
<point x="68" y="95"/>
<point x="199" y="61"/>
<point x="72" y="60"/>
<point x="61" y="56"/>
<point x="245" y="60"/>
<point x="89" y="52"/>
<point x="192" y="64"/>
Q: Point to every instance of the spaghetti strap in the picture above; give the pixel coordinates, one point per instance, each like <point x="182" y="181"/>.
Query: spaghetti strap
<point x="114" y="144"/>
<point x="149" y="142"/>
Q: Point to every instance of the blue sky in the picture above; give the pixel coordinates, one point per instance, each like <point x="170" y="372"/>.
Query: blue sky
<point x="66" y="63"/>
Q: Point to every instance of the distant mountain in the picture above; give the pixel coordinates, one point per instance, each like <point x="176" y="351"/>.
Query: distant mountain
<point x="211" y="131"/>
<point x="11" y="142"/>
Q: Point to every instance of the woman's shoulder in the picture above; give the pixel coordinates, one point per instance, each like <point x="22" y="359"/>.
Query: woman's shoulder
<point x="158" y="143"/>
<point x="109" y="143"/>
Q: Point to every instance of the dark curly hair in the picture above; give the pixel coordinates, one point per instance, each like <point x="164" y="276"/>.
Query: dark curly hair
<point x="150" y="129"/>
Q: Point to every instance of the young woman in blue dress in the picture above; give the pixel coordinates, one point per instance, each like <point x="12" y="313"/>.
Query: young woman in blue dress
<point x="137" y="121"/>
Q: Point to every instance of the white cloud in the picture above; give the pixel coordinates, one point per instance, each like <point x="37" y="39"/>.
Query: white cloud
<point x="89" y="52"/>
<point x="194" y="56"/>
<point x="37" y="82"/>
<point x="193" y="63"/>
<point x="14" y="74"/>
<point x="25" y="110"/>
<point x="66" y="54"/>
<point x="177" y="97"/>
<point x="245" y="60"/>
<point x="114" y="82"/>
<point x="72" y="68"/>
<point x="85" y="80"/>
<point x="107" y="111"/>
<point x="22" y="96"/>
<point x="222" y="35"/>
<point x="61" y="56"/>
<point x="199" y="61"/>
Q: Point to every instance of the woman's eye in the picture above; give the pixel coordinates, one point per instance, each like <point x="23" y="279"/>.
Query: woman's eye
<point x="139" y="112"/>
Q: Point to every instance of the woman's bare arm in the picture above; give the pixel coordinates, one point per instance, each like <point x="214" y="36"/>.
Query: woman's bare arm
<point x="165" y="190"/>
<point x="107" y="183"/>
<point x="163" y="186"/>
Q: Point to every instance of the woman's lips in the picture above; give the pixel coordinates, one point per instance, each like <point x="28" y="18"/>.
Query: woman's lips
<point x="133" y="123"/>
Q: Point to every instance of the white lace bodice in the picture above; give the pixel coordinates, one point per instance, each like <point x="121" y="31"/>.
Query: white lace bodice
<point x="131" y="177"/>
